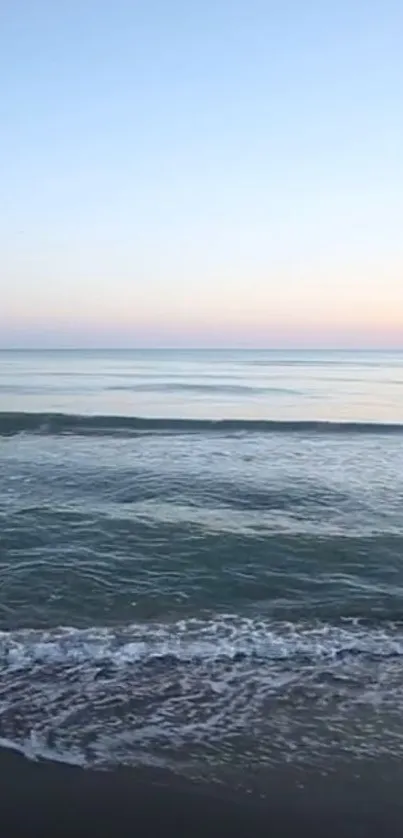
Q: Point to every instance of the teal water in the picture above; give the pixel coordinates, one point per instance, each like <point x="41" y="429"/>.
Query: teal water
<point x="201" y="558"/>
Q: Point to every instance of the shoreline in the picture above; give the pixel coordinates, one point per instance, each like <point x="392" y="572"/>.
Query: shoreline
<point x="49" y="799"/>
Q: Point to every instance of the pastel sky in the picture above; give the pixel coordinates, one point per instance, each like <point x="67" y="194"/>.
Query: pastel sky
<point x="201" y="172"/>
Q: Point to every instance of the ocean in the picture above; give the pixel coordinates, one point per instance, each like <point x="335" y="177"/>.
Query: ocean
<point x="201" y="560"/>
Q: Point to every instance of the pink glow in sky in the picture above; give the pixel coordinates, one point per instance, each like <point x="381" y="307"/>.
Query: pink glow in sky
<point x="232" y="176"/>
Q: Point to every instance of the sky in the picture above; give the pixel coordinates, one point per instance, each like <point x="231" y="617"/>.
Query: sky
<point x="201" y="173"/>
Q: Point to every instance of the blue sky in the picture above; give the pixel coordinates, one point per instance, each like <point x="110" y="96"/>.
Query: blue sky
<point x="201" y="173"/>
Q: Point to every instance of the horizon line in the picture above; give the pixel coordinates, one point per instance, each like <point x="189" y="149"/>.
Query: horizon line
<point x="229" y="348"/>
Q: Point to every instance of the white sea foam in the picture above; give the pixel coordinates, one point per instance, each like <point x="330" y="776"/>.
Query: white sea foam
<point x="34" y="747"/>
<point x="225" y="636"/>
<point x="215" y="691"/>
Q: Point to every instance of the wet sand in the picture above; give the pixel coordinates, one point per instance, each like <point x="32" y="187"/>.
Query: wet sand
<point x="50" y="799"/>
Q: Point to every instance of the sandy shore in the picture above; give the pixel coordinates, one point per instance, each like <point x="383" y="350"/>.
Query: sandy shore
<point x="49" y="799"/>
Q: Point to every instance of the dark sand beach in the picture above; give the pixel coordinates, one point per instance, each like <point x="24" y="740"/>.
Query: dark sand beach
<point x="43" y="798"/>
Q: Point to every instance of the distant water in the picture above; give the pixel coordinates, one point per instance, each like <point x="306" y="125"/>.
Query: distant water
<point x="201" y="558"/>
<point x="258" y="385"/>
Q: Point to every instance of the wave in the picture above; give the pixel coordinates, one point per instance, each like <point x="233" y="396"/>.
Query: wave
<point x="224" y="638"/>
<point x="224" y="389"/>
<point x="204" y="695"/>
<point x="12" y="423"/>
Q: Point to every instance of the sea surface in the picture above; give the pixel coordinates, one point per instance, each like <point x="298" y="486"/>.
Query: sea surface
<point x="201" y="559"/>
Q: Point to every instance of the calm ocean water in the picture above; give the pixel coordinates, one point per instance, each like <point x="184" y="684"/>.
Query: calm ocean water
<point x="201" y="558"/>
